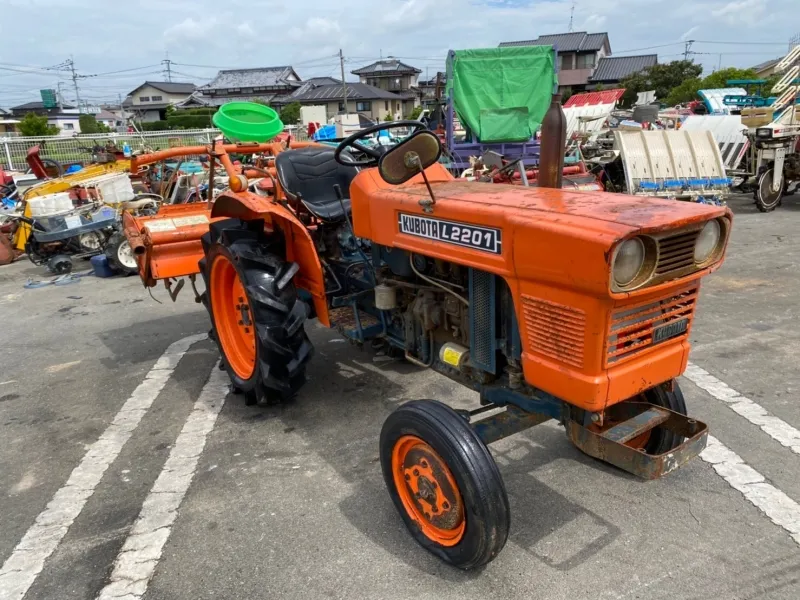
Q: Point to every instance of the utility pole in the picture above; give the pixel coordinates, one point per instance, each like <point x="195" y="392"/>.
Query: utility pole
<point x="121" y="108"/>
<point x="344" y="83"/>
<point x="167" y="63"/>
<point x="71" y="64"/>
<point x="688" y="49"/>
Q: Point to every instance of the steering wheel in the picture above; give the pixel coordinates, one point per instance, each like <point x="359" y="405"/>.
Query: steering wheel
<point x="373" y="154"/>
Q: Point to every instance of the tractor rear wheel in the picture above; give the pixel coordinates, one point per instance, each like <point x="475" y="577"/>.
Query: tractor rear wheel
<point x="445" y="483"/>
<point x="256" y="316"/>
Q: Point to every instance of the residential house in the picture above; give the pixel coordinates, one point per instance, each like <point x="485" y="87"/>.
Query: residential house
<point x="38" y="108"/>
<point x="267" y="84"/>
<point x="611" y="70"/>
<point x="8" y="124"/>
<point x="149" y="101"/>
<point x="65" y="117"/>
<point x="766" y="68"/>
<point x="109" y="119"/>
<point x="578" y="55"/>
<point x="367" y="100"/>
<point x="396" y="77"/>
<point x="429" y="88"/>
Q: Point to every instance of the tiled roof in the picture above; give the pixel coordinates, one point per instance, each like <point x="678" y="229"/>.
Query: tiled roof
<point x="578" y="41"/>
<point x="355" y="91"/>
<point x="249" y="78"/>
<point x="169" y="87"/>
<point x="383" y="67"/>
<point x="38" y="105"/>
<point x="767" y="64"/>
<point x="616" y="68"/>
<point x="214" y="101"/>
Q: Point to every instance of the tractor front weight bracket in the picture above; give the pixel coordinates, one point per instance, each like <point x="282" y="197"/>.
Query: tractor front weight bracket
<point x="630" y="420"/>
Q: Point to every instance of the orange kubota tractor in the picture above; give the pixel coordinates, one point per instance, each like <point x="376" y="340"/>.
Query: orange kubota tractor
<point x="575" y="306"/>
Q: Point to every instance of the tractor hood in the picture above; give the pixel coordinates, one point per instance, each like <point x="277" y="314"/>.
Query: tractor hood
<point x="552" y="236"/>
<point x="640" y="213"/>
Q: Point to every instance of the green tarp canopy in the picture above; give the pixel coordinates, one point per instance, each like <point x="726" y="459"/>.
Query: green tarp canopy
<point x="502" y="94"/>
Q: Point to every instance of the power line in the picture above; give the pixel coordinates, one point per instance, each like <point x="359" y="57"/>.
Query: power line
<point x="740" y="43"/>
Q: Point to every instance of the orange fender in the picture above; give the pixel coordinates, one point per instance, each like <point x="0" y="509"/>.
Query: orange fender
<point x="299" y="245"/>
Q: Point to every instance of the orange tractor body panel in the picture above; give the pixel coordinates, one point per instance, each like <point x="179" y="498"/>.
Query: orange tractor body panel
<point x="556" y="259"/>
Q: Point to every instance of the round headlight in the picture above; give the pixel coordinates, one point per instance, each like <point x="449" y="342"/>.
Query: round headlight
<point x="628" y="261"/>
<point x="707" y="242"/>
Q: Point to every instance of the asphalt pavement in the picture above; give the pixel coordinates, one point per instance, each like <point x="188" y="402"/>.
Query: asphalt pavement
<point x="127" y="472"/>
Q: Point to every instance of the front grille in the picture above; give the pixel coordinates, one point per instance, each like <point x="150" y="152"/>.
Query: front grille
<point x="555" y="330"/>
<point x="676" y="253"/>
<point x="632" y="329"/>
<point x="482" y="315"/>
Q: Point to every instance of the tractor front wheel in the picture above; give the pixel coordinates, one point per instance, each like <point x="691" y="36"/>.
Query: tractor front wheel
<point x="661" y="440"/>
<point x="256" y="316"/>
<point x="445" y="483"/>
<point x="766" y="198"/>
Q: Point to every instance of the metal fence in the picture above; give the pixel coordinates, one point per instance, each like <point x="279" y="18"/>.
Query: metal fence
<point x="79" y="147"/>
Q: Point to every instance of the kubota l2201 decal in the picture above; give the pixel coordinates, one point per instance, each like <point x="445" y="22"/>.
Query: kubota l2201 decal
<point x="486" y="239"/>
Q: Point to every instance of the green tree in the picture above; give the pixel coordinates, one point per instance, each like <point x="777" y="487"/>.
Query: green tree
<point x="415" y="113"/>
<point x="290" y="114"/>
<point x="89" y="124"/>
<point x="35" y="126"/>
<point x="685" y="92"/>
<point x="389" y="117"/>
<point x="719" y="79"/>
<point x="662" y="78"/>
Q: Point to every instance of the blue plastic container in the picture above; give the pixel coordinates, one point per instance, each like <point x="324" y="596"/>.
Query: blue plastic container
<point x="101" y="266"/>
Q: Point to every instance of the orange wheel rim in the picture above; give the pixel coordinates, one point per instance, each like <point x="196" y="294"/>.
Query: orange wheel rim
<point x="233" y="317"/>
<point x="428" y="491"/>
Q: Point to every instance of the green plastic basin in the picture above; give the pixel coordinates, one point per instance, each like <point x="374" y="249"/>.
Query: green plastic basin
<point x="247" y="122"/>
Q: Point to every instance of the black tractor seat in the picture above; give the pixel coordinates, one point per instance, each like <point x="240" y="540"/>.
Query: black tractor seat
<point x="309" y="174"/>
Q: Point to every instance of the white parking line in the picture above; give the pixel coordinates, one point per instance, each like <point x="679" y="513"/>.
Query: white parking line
<point x="42" y="538"/>
<point x="776" y="428"/>
<point x="781" y="510"/>
<point x="139" y="556"/>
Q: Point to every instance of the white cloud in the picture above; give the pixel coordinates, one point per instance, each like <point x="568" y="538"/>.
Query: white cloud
<point x="310" y="32"/>
<point x="244" y="29"/>
<point x="741" y="11"/>
<point x="689" y="32"/>
<point x="190" y="30"/>
<point x="593" y="22"/>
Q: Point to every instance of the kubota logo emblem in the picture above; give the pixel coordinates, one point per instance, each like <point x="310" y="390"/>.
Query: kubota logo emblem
<point x="487" y="239"/>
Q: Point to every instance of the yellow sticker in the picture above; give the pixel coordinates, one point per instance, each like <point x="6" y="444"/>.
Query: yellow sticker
<point x="452" y="356"/>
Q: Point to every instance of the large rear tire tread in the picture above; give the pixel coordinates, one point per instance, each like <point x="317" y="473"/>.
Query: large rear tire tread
<point x="486" y="506"/>
<point x="282" y="345"/>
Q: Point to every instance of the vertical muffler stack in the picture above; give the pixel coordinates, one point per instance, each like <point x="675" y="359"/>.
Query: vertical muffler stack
<point x="553" y="145"/>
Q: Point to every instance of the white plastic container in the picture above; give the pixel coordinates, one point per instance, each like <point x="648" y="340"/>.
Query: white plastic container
<point x="116" y="189"/>
<point x="50" y="204"/>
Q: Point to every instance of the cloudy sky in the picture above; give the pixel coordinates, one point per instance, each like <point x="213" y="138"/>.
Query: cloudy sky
<point x="118" y="45"/>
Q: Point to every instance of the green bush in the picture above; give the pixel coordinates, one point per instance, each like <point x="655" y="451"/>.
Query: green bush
<point x="179" y="121"/>
<point x="154" y="126"/>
